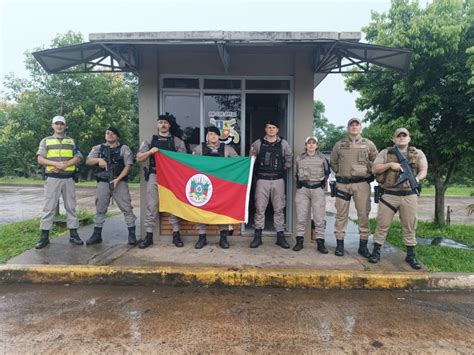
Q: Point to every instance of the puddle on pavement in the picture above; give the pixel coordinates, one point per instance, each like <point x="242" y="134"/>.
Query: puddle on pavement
<point x="444" y="242"/>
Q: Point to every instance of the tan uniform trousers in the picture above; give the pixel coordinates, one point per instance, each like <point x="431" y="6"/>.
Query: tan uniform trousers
<point x="53" y="189"/>
<point x="265" y="191"/>
<point x="202" y="228"/>
<point x="152" y="207"/>
<point x="361" y="195"/>
<point x="407" y="206"/>
<point x="307" y="200"/>
<point x="121" y="196"/>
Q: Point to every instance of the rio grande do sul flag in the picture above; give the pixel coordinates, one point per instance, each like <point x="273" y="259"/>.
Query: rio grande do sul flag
<point x="203" y="189"/>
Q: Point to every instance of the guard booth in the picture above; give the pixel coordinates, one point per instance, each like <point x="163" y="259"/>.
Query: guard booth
<point x="234" y="80"/>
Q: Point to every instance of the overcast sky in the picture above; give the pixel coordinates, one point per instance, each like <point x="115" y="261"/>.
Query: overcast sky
<point x="28" y="24"/>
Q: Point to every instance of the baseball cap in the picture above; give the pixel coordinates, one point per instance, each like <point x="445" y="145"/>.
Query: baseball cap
<point x="59" y="119"/>
<point x="311" y="137"/>
<point x="401" y="130"/>
<point x="354" y="119"/>
<point x="114" y="130"/>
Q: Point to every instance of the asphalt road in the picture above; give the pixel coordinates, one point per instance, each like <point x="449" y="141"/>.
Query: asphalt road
<point x="112" y="319"/>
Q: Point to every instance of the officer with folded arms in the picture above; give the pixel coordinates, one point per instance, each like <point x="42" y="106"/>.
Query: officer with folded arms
<point x="59" y="155"/>
<point x="115" y="161"/>
<point x="398" y="195"/>
<point x="351" y="160"/>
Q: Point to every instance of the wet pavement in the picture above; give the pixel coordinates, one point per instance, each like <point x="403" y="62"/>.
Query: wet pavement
<point x="171" y="320"/>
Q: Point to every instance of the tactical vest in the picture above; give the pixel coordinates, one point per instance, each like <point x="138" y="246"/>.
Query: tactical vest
<point x="115" y="162"/>
<point x="60" y="149"/>
<point x="353" y="159"/>
<point x="313" y="168"/>
<point x="389" y="177"/>
<point x="160" y="142"/>
<point x="270" y="158"/>
<point x="209" y="152"/>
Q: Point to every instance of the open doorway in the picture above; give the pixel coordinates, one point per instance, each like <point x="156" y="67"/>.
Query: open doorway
<point x="259" y="108"/>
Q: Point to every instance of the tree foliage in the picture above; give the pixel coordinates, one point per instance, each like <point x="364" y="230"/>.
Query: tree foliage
<point x="327" y="133"/>
<point x="89" y="102"/>
<point x="434" y="98"/>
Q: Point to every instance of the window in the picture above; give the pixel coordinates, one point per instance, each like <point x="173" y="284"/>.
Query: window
<point x="267" y="84"/>
<point x="175" y="83"/>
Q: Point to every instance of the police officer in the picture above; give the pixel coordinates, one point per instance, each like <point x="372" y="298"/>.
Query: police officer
<point x="402" y="199"/>
<point x="214" y="148"/>
<point x="163" y="140"/>
<point x="351" y="160"/>
<point x="115" y="162"/>
<point x="274" y="157"/>
<point x="59" y="155"/>
<point x="312" y="171"/>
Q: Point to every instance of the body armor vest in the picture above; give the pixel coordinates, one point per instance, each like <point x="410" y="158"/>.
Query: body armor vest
<point x="389" y="177"/>
<point x="160" y="142"/>
<point x="313" y="168"/>
<point x="115" y="162"/>
<point x="60" y="149"/>
<point x="354" y="159"/>
<point x="209" y="152"/>
<point x="270" y="158"/>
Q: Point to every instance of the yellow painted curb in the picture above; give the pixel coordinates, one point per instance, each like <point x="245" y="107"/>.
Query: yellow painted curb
<point x="214" y="276"/>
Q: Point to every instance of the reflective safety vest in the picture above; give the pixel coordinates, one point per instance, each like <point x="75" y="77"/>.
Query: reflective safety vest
<point x="60" y="149"/>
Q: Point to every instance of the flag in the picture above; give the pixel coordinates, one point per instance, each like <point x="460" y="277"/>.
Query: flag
<point x="204" y="189"/>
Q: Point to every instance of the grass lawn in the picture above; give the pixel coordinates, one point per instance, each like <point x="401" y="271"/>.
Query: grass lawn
<point x="17" y="237"/>
<point x="451" y="191"/>
<point x="438" y="258"/>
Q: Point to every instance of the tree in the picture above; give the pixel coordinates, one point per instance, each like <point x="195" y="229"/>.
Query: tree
<point x="90" y="103"/>
<point x="327" y="133"/>
<point x="434" y="98"/>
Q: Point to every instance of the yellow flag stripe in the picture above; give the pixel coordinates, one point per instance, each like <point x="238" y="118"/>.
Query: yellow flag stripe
<point x="169" y="203"/>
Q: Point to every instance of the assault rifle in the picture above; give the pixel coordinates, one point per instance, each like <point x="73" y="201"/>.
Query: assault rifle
<point x="406" y="174"/>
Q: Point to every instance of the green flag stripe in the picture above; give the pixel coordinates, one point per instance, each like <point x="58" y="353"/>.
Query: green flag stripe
<point x="230" y="169"/>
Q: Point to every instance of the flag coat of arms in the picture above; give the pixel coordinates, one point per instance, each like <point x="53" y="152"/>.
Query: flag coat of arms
<point x="204" y="189"/>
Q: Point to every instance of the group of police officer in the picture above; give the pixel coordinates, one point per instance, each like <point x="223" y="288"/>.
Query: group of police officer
<point x="354" y="160"/>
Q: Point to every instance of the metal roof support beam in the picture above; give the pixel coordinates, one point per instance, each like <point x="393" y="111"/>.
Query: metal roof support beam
<point x="123" y="62"/>
<point x="225" y="57"/>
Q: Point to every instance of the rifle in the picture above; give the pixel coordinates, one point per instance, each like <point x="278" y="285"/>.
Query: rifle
<point x="406" y="174"/>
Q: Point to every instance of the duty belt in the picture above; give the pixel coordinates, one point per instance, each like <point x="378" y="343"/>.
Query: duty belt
<point x="313" y="186"/>
<point x="346" y="180"/>
<point x="399" y="193"/>
<point x="269" y="177"/>
<point x="60" y="176"/>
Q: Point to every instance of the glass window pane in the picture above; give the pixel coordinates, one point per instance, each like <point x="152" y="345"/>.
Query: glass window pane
<point x="221" y="84"/>
<point x="175" y="83"/>
<point x="267" y="84"/>
<point x="186" y="110"/>
<point x="223" y="111"/>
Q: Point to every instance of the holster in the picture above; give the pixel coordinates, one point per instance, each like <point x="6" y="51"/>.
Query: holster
<point x="146" y="173"/>
<point x="332" y="186"/>
<point x="377" y="193"/>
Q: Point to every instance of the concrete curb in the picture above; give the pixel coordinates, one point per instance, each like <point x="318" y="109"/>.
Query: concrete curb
<point x="225" y="276"/>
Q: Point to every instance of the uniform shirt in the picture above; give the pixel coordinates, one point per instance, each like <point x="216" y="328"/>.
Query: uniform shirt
<point x="42" y="150"/>
<point x="383" y="159"/>
<point x="286" y="149"/>
<point x="178" y="144"/>
<point x="228" y="150"/>
<point x="316" y="172"/>
<point x="372" y="151"/>
<point x="125" y="153"/>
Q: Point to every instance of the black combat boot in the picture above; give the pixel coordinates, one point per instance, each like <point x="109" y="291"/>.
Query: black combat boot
<point x="223" y="243"/>
<point x="147" y="241"/>
<point x="281" y="241"/>
<point x="339" y="247"/>
<point x="321" y="247"/>
<point x="177" y="240"/>
<point x="132" y="238"/>
<point x="74" y="237"/>
<point x="363" y="250"/>
<point x="374" y="258"/>
<point x="44" y="239"/>
<point x="96" y="237"/>
<point x="410" y="259"/>
<point x="299" y="244"/>
<point x="257" y="240"/>
<point x="202" y="241"/>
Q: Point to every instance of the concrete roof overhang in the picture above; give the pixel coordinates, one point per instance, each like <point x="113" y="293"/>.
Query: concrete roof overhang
<point x="333" y="52"/>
